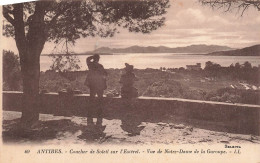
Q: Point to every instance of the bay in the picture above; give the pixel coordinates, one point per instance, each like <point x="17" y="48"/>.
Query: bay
<point x="157" y="60"/>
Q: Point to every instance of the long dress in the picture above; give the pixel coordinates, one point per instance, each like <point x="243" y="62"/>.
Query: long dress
<point x="128" y="90"/>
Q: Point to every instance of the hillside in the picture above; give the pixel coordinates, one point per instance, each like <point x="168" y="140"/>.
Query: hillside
<point x="248" y="51"/>
<point x="214" y="50"/>
<point x="85" y="53"/>
<point x="163" y="49"/>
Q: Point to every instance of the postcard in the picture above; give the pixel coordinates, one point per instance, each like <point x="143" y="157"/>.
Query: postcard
<point x="130" y="81"/>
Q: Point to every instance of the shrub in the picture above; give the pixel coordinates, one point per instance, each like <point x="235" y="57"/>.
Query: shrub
<point x="11" y="71"/>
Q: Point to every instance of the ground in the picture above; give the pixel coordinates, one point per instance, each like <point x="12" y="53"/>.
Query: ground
<point x="52" y="130"/>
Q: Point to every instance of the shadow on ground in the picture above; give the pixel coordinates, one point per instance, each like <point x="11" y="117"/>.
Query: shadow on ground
<point x="13" y="131"/>
<point x="51" y="130"/>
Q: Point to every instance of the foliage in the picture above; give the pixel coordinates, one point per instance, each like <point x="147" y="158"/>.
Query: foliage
<point x="11" y="71"/>
<point x="211" y="68"/>
<point x="157" y="84"/>
<point x="170" y="88"/>
<point x="234" y="96"/>
<point x="34" y="23"/>
<point x="63" y="63"/>
<point x="70" y="20"/>
<point x="244" y="71"/>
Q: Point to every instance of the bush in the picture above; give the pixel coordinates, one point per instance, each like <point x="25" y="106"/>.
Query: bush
<point x="235" y="96"/>
<point x="11" y="71"/>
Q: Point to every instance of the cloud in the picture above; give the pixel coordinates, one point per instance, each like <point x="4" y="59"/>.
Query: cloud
<point x="187" y="22"/>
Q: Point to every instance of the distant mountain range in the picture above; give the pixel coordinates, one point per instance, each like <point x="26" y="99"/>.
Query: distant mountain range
<point x="248" y="51"/>
<point x="193" y="49"/>
<point x="164" y="49"/>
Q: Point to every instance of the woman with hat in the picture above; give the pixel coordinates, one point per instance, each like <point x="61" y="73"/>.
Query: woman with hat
<point x="127" y="80"/>
<point x="130" y="119"/>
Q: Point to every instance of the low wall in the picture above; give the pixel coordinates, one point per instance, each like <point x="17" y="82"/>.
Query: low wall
<point x="218" y="116"/>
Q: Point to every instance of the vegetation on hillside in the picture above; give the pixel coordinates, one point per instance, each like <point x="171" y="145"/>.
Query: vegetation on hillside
<point x="237" y="83"/>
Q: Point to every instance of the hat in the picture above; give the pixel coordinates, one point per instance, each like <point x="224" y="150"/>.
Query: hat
<point x="129" y="67"/>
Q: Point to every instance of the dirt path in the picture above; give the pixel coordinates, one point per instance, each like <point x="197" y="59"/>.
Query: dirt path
<point x="59" y="130"/>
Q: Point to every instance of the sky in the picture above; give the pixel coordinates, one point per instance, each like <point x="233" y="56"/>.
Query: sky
<point x="187" y="22"/>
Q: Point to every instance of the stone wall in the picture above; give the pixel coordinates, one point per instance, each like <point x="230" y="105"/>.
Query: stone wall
<point x="218" y="116"/>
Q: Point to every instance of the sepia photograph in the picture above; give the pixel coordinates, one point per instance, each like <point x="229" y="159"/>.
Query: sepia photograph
<point x="131" y="73"/>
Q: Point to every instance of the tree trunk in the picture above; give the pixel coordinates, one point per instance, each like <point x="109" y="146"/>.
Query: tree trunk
<point x="31" y="75"/>
<point x="30" y="67"/>
<point x="30" y="46"/>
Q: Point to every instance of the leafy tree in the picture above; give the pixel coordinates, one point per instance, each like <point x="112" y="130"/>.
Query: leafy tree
<point x="247" y="65"/>
<point x="212" y="66"/>
<point x="208" y="64"/>
<point x="238" y="66"/>
<point x="247" y="71"/>
<point x="11" y="70"/>
<point x="213" y="69"/>
<point x="33" y="23"/>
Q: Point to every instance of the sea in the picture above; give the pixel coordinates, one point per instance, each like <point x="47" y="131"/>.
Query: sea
<point x="157" y="60"/>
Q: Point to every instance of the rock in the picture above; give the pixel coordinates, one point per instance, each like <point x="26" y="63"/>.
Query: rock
<point x="254" y="137"/>
<point x="205" y="140"/>
<point x="185" y="133"/>
<point x="224" y="141"/>
<point x="191" y="142"/>
<point x="180" y="126"/>
<point x="142" y="125"/>
<point x="189" y="128"/>
<point x="162" y="124"/>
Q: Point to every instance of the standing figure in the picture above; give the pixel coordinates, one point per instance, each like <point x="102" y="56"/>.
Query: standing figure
<point x="127" y="80"/>
<point x="131" y="118"/>
<point x="96" y="81"/>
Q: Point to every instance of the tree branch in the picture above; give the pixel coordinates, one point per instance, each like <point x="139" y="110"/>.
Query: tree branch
<point x="20" y="38"/>
<point x="54" y="19"/>
<point x="240" y="4"/>
<point x="6" y="13"/>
